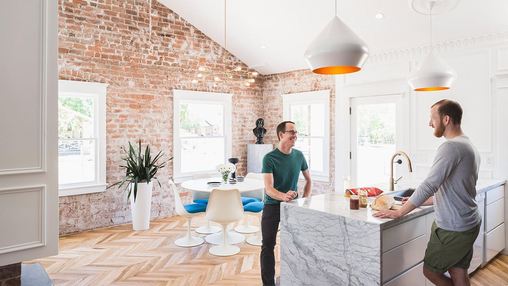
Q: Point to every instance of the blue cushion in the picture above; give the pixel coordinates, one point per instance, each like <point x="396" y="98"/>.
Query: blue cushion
<point x="201" y="201"/>
<point x="254" y="207"/>
<point x="195" y="208"/>
<point x="246" y="200"/>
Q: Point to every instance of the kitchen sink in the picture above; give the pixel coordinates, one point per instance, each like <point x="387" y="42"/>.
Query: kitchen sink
<point x="398" y="195"/>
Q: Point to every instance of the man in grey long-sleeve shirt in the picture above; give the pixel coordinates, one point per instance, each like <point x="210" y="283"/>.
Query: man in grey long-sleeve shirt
<point x="451" y="187"/>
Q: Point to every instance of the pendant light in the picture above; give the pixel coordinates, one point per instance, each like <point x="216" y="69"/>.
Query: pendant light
<point x="434" y="73"/>
<point x="336" y="50"/>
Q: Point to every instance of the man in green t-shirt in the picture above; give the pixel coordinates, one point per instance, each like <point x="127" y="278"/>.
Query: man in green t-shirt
<point x="281" y="169"/>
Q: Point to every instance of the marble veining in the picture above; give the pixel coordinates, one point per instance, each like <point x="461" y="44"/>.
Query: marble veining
<point x="345" y="250"/>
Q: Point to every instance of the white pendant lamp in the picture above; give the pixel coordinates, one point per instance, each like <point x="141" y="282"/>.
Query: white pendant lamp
<point x="434" y="73"/>
<point x="336" y="50"/>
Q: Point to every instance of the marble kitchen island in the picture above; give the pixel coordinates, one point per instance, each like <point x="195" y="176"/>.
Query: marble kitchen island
<point x="323" y="242"/>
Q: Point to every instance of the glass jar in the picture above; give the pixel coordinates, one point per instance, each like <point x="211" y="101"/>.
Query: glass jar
<point x="354" y="202"/>
<point x="362" y="194"/>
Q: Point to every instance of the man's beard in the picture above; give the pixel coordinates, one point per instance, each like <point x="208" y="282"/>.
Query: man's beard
<point x="439" y="130"/>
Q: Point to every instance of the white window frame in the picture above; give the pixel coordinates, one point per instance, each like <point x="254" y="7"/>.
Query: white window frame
<point x="199" y="97"/>
<point x="313" y="97"/>
<point x="97" y="91"/>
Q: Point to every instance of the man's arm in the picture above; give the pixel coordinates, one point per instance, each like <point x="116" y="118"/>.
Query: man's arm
<point x="307" y="190"/>
<point x="272" y="192"/>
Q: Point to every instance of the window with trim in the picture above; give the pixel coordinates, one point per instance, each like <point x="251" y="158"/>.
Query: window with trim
<point x="81" y="137"/>
<point x="202" y="133"/>
<point x="310" y="111"/>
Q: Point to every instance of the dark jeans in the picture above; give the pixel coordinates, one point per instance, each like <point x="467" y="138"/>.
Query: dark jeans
<point x="269" y="225"/>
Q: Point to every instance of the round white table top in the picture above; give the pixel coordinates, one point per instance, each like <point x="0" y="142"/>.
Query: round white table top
<point x="201" y="185"/>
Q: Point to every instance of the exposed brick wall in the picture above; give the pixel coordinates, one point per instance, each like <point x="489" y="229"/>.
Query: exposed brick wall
<point x="112" y="42"/>
<point x="293" y="82"/>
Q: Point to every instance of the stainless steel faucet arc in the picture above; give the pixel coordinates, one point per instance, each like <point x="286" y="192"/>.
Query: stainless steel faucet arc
<point x="392" y="180"/>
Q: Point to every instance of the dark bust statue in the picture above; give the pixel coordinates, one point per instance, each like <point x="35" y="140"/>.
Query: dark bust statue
<point x="259" y="131"/>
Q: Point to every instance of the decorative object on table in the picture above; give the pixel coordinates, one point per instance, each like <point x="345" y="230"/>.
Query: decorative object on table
<point x="259" y="131"/>
<point x="233" y="161"/>
<point x="140" y="171"/>
<point x="239" y="179"/>
<point x="371" y="191"/>
<point x="255" y="154"/>
<point x="225" y="170"/>
<point x="383" y="202"/>
<point x="214" y="184"/>
<point x="232" y="181"/>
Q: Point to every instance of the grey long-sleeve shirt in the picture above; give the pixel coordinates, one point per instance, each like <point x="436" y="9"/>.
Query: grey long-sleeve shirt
<point x="452" y="181"/>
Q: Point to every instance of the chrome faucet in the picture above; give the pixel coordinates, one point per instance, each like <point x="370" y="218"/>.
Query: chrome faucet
<point x="392" y="180"/>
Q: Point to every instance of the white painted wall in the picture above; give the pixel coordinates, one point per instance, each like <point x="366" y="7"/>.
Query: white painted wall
<point x="481" y="88"/>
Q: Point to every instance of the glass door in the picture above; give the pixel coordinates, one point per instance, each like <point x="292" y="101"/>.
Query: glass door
<point x="373" y="138"/>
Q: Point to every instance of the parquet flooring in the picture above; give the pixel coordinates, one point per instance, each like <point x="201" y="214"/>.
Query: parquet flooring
<point x="120" y="256"/>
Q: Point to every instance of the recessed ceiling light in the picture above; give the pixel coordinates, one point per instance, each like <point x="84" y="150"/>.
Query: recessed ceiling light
<point x="263" y="47"/>
<point x="380" y="16"/>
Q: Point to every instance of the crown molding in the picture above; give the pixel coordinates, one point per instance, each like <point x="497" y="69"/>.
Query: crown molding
<point x="442" y="47"/>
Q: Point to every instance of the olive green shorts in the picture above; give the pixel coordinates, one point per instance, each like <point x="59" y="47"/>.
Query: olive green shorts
<point x="449" y="249"/>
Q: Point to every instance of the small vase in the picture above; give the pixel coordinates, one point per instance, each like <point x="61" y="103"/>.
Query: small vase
<point x="225" y="177"/>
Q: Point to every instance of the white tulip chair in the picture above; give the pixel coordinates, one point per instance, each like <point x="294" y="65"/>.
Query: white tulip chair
<point x="224" y="207"/>
<point x="187" y="211"/>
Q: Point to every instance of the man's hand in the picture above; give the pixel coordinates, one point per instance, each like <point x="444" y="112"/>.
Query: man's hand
<point x="286" y="197"/>
<point x="293" y="194"/>
<point x="404" y="200"/>
<point x="387" y="214"/>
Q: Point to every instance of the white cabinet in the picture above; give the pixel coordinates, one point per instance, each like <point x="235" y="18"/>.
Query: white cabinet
<point x="494" y="227"/>
<point x="403" y="249"/>
<point x="494" y="242"/>
<point x="478" y="250"/>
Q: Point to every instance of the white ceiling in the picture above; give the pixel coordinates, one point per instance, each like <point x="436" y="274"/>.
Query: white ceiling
<point x="286" y="27"/>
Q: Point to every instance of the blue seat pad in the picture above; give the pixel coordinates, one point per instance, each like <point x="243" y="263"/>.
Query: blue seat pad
<point x="254" y="207"/>
<point x="195" y="208"/>
<point x="245" y="200"/>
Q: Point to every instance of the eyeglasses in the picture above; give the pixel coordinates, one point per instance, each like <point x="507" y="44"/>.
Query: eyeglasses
<point x="293" y="132"/>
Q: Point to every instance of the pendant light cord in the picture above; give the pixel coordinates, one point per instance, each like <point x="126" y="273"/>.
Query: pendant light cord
<point x="430" y="16"/>
<point x="225" y="25"/>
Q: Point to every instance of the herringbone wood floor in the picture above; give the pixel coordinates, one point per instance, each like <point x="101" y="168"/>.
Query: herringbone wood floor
<point x="120" y="256"/>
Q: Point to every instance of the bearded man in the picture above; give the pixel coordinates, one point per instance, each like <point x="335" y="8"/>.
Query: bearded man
<point x="451" y="187"/>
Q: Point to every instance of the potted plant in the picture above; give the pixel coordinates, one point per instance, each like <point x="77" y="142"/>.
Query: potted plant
<point x="140" y="171"/>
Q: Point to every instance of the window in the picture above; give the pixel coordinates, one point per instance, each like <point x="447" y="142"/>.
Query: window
<point x="81" y="137"/>
<point x="310" y="112"/>
<point x="202" y="132"/>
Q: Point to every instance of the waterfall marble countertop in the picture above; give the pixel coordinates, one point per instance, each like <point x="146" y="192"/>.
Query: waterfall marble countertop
<point x="337" y="204"/>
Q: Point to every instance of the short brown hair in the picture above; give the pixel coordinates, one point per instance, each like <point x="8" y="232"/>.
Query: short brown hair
<point x="282" y="127"/>
<point x="450" y="108"/>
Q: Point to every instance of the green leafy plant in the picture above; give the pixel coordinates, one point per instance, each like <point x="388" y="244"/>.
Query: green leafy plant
<point x="140" y="167"/>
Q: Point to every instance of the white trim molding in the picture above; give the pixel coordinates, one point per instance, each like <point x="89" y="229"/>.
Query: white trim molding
<point x="313" y="97"/>
<point x="200" y="97"/>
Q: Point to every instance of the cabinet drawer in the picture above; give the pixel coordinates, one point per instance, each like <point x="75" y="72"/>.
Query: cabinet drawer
<point x="403" y="257"/>
<point x="494" y="242"/>
<point x="413" y="276"/>
<point x="495" y="194"/>
<point x="402" y="233"/>
<point x="494" y="214"/>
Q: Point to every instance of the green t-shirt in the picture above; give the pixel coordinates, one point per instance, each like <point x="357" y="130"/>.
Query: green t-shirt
<point x="285" y="169"/>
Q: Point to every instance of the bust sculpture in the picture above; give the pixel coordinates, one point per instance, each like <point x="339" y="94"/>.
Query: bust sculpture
<point x="259" y="131"/>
